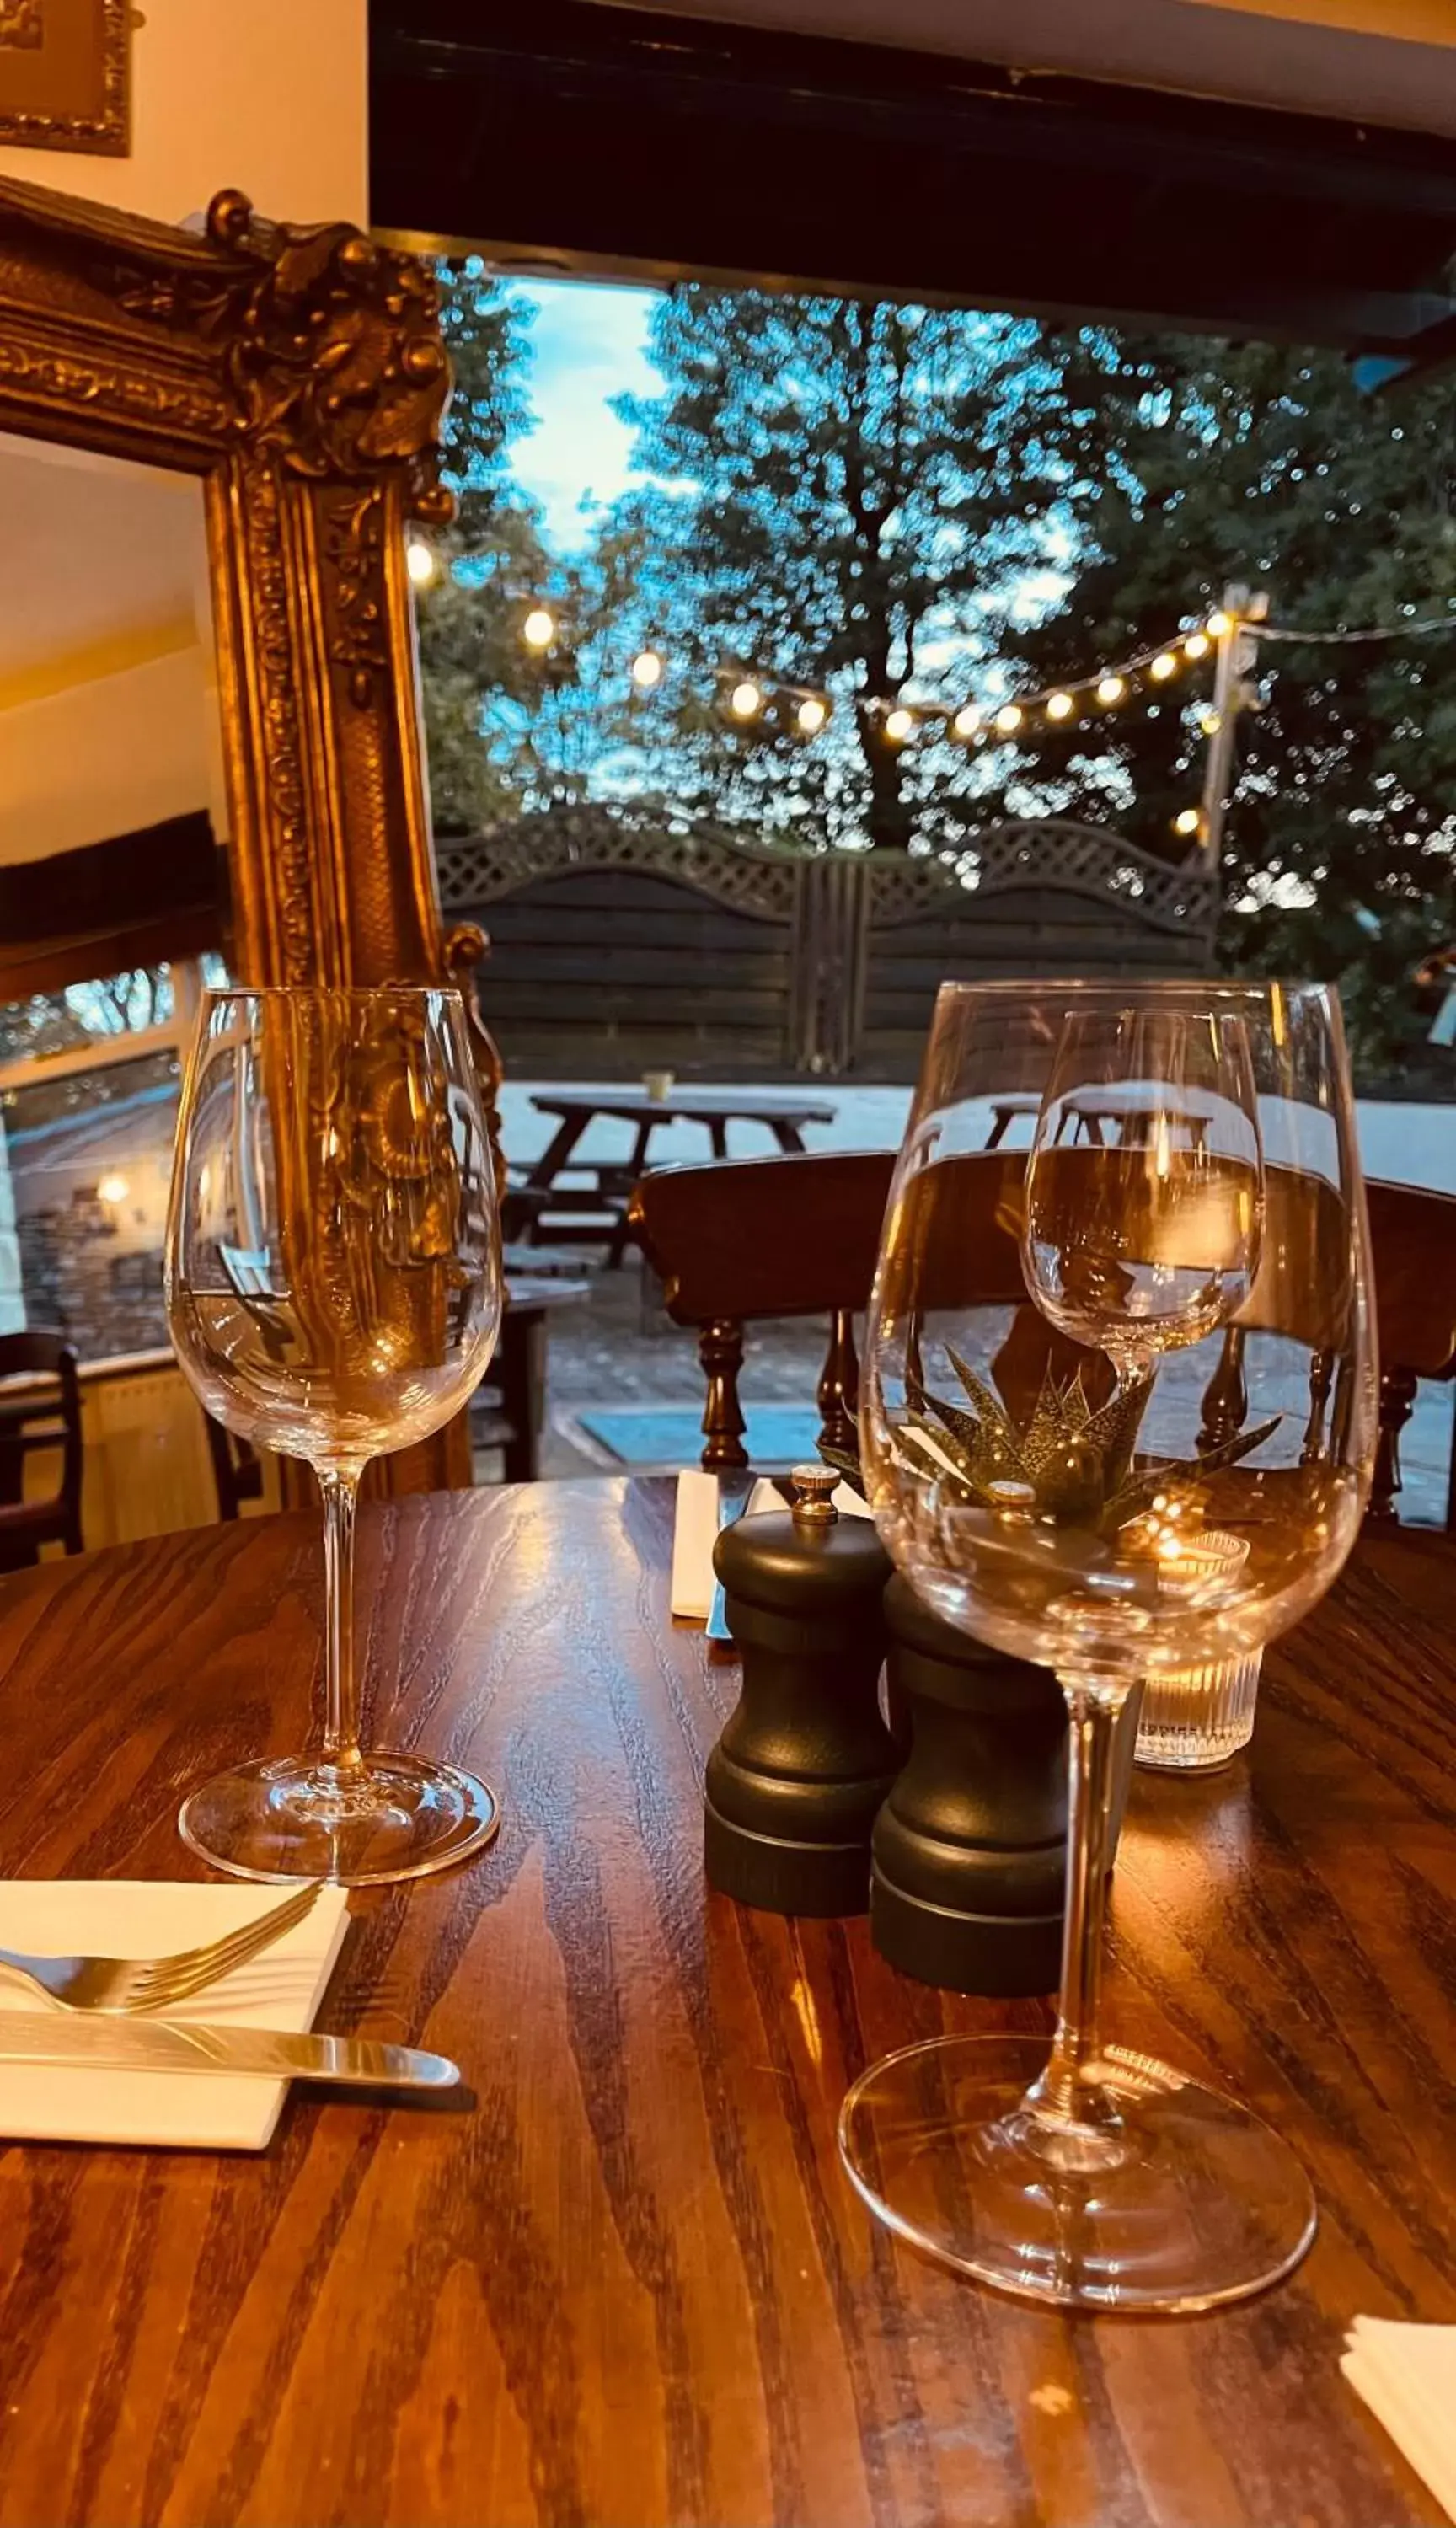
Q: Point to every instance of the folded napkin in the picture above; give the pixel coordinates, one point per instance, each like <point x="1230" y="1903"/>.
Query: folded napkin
<point x="122" y="1917"/>
<point x="1407" y="2376"/>
<point x="694" y="1533"/>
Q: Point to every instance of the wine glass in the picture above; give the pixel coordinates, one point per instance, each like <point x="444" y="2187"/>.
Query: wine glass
<point x="1044" y="1469"/>
<point x="334" y="1292"/>
<point x="1146" y="1248"/>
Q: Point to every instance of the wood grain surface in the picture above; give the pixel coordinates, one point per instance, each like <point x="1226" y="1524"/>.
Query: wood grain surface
<point x="625" y="2283"/>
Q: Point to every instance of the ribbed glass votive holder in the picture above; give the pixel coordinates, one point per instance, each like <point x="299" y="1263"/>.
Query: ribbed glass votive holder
<point x="1198" y="1717"/>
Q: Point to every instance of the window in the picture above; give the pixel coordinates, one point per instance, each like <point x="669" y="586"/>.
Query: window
<point x="89" y="1080"/>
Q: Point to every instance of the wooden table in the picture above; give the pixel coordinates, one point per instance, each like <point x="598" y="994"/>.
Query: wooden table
<point x="785" y="1113"/>
<point x="625" y="2281"/>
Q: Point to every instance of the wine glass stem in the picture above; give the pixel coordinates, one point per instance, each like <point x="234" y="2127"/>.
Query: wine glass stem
<point x="340" y="1486"/>
<point x="1069" y="2093"/>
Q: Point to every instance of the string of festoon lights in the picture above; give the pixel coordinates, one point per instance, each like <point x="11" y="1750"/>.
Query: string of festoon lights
<point x="754" y="697"/>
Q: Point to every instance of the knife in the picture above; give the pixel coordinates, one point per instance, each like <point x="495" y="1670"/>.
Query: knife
<point x="735" y="1492"/>
<point x="113" y="2043"/>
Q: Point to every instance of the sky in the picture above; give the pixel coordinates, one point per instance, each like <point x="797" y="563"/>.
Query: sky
<point x="589" y="343"/>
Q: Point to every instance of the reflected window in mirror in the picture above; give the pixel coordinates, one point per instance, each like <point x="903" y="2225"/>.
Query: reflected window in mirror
<point x="112" y="889"/>
<point x="89" y="1081"/>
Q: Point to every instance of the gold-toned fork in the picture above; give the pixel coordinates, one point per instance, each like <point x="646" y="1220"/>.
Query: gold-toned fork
<point x="128" y="1985"/>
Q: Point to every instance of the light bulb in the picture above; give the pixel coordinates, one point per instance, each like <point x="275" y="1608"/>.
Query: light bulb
<point x="1188" y="821"/>
<point x="1196" y="645"/>
<point x="647" y="669"/>
<point x="899" y="726"/>
<point x="746" y="700"/>
<point x="421" y="565"/>
<point x="812" y="714"/>
<point x="1008" y="718"/>
<point x="112" y="1190"/>
<point x="1112" y="689"/>
<point x="1210" y="723"/>
<point x="1060" y="706"/>
<point x="1163" y="666"/>
<point x="1218" y="624"/>
<point x="966" y="721"/>
<point x="539" y="630"/>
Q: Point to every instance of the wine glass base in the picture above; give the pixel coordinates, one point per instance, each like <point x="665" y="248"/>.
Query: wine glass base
<point x="1193" y="2202"/>
<point x="394" y="1816"/>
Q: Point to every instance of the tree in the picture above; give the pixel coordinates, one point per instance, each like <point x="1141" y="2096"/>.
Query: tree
<point x="837" y="496"/>
<point x="1188" y="463"/>
<point x="507" y="727"/>
<point x="468" y="618"/>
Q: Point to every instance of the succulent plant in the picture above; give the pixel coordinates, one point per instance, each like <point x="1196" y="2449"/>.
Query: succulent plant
<point x="1072" y="1462"/>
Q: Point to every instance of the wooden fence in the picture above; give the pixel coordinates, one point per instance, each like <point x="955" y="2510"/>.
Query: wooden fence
<point x="622" y="943"/>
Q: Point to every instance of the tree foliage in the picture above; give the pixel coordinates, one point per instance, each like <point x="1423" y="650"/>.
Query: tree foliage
<point x="880" y="502"/>
<point x="838" y="492"/>
<point x="1188" y="464"/>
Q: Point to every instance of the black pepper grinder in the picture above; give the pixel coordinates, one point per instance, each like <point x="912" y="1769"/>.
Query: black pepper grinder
<point x="970" y="1844"/>
<point x="795" y="1779"/>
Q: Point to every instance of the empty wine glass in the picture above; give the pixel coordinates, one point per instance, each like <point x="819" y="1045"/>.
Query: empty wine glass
<point x="1043" y="1463"/>
<point x="1145" y="1186"/>
<point x="333" y="1291"/>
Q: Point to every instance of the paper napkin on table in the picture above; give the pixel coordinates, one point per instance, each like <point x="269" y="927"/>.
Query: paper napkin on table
<point x="694" y="1533"/>
<point x="1407" y="2376"/>
<point x="149" y="1918"/>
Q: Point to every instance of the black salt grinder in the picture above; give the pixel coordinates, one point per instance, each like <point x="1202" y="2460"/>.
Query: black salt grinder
<point x="970" y="1844"/>
<point x="795" y="1779"/>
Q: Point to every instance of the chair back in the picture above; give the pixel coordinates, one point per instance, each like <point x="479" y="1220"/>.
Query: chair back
<point x="741" y="1239"/>
<point x="799" y="1236"/>
<point x="36" y="1418"/>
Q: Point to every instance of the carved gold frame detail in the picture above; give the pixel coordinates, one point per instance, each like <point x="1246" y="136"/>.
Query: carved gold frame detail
<point x="300" y="372"/>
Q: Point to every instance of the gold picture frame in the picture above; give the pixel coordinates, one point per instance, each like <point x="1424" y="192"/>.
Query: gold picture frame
<point x="66" y="77"/>
<point x="300" y="374"/>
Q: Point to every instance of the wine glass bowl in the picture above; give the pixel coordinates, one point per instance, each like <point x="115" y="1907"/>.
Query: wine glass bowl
<point x="334" y="1292"/>
<point x="1146" y="1237"/>
<point x="1117" y="1419"/>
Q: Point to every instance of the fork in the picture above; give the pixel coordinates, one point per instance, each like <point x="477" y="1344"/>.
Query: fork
<point x="156" y="1983"/>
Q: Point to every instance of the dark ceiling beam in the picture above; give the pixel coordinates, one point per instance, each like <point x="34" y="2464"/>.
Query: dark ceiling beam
<point x="571" y="136"/>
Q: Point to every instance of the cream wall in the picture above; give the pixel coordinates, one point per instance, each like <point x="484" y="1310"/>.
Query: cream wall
<point x="107" y="757"/>
<point x="270" y="95"/>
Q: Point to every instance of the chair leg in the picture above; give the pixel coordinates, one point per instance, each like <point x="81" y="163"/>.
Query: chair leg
<point x="520" y="1365"/>
<point x="1225" y="1399"/>
<point x="1397" y="1399"/>
<point x="838" y="1392"/>
<point x="720" y="1350"/>
<point x="1322" y="1378"/>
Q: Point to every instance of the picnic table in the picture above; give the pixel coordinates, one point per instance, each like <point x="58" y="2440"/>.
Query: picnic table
<point x="785" y="1113"/>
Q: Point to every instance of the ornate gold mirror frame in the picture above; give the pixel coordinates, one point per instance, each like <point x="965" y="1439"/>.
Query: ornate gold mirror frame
<point x="300" y="373"/>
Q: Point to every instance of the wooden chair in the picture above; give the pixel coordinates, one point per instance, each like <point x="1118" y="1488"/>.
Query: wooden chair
<point x="747" y="1239"/>
<point x="799" y="1236"/>
<point x="33" y="1417"/>
<point x="237" y="1468"/>
<point x="1413" y="1246"/>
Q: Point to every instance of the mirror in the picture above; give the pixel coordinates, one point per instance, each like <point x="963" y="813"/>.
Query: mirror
<point x="113" y="886"/>
<point x="210" y="443"/>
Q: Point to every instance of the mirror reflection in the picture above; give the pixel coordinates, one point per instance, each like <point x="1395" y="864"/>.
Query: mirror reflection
<point x="113" y="913"/>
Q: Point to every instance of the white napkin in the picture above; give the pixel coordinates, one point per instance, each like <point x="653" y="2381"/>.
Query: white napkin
<point x="1407" y="2376"/>
<point x="148" y="1918"/>
<point x="694" y="1533"/>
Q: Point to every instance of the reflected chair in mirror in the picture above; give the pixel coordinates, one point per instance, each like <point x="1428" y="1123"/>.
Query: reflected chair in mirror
<point x="799" y="1236"/>
<point x="39" y="1411"/>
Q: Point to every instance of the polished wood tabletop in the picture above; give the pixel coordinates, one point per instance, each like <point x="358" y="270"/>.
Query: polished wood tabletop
<point x="623" y="2280"/>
